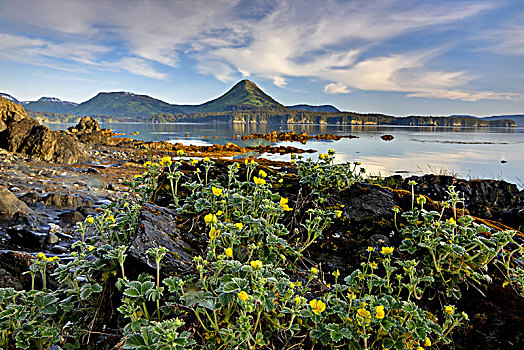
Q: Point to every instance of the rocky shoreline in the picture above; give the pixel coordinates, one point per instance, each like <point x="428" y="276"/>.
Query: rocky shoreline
<point x="47" y="188"/>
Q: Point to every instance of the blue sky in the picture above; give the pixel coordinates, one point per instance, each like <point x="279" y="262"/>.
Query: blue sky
<point x="395" y="57"/>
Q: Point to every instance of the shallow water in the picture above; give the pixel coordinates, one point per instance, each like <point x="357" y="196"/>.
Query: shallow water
<point x="474" y="153"/>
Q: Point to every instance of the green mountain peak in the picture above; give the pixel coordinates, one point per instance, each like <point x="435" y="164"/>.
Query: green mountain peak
<point x="244" y="95"/>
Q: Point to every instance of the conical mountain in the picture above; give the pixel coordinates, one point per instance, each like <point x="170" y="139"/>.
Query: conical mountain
<point x="244" y="95"/>
<point x="125" y="104"/>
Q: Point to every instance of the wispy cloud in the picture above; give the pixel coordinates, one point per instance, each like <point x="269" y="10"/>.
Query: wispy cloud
<point x="344" y="45"/>
<point x="508" y="40"/>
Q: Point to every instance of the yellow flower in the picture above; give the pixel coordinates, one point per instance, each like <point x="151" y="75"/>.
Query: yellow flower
<point x="281" y="180"/>
<point x="370" y="249"/>
<point x="180" y="152"/>
<point x="137" y="176"/>
<point x="111" y="219"/>
<point x="262" y="173"/>
<point x="298" y="300"/>
<point x="427" y="342"/>
<point x="219" y="213"/>
<point x="229" y="252"/>
<point x="146" y="164"/>
<point x="336" y="273"/>
<point x="256" y="264"/>
<point x="317" y="306"/>
<point x="284" y="205"/>
<point x="322" y="156"/>
<point x="90" y="248"/>
<point x="213" y="233"/>
<point x="259" y="181"/>
<point x="452" y="221"/>
<point x="352" y="296"/>
<point x="210" y="218"/>
<point x="338" y="213"/>
<point x="313" y="270"/>
<point x="420" y="348"/>
<point x="315" y="167"/>
<point x="194" y="161"/>
<point x="206" y="159"/>
<point x="379" y="312"/>
<point x="363" y="316"/>
<point x="166" y="161"/>
<point x="331" y="150"/>
<point x="449" y="310"/>
<point x="90" y="220"/>
<point x="41" y="256"/>
<point x="216" y="191"/>
<point x="243" y="296"/>
<point x="373" y="265"/>
<point x="387" y="250"/>
<point x="239" y="226"/>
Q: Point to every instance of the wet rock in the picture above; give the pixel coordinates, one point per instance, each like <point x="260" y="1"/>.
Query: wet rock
<point x="28" y="231"/>
<point x="62" y="200"/>
<point x="387" y="137"/>
<point x="10" y="205"/>
<point x="157" y="227"/>
<point x="93" y="171"/>
<point x="52" y="238"/>
<point x="71" y="217"/>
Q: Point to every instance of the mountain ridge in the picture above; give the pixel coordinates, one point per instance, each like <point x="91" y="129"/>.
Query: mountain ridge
<point x="243" y="96"/>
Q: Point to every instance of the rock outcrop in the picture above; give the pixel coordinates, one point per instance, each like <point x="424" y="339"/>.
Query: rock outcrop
<point x="88" y="131"/>
<point x="22" y="134"/>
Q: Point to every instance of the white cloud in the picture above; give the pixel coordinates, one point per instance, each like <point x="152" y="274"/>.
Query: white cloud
<point x="338" y="88"/>
<point x="139" y="66"/>
<point x="339" y="44"/>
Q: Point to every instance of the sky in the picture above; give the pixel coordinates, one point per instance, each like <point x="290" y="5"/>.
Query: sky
<point x="370" y="56"/>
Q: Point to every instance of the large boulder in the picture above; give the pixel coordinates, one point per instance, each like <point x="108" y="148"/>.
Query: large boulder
<point x="157" y="226"/>
<point x="10" y="205"/>
<point x="22" y="134"/>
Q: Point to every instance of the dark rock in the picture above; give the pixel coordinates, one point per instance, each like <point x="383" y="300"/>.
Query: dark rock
<point x="28" y="231"/>
<point x="62" y="200"/>
<point x="387" y="137"/>
<point x="71" y="217"/>
<point x="490" y="199"/>
<point x="93" y="171"/>
<point x="12" y="266"/>
<point x="10" y="205"/>
<point x="22" y="134"/>
<point x="157" y="227"/>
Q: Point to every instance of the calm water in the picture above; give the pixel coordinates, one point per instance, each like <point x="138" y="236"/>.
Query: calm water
<point x="466" y="152"/>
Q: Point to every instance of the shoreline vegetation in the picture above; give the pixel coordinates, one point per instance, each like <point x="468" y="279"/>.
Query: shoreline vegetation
<point x="186" y="251"/>
<point x="284" y="116"/>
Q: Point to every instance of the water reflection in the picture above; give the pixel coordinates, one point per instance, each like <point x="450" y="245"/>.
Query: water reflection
<point x="467" y="152"/>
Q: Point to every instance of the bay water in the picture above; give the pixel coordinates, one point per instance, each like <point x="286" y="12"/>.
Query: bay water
<point x="471" y="153"/>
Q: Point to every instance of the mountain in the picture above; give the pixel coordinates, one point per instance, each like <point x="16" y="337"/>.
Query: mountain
<point x="309" y="108"/>
<point x="9" y="97"/>
<point x="518" y="118"/>
<point x="125" y="104"/>
<point x="244" y="95"/>
<point x="50" y="104"/>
